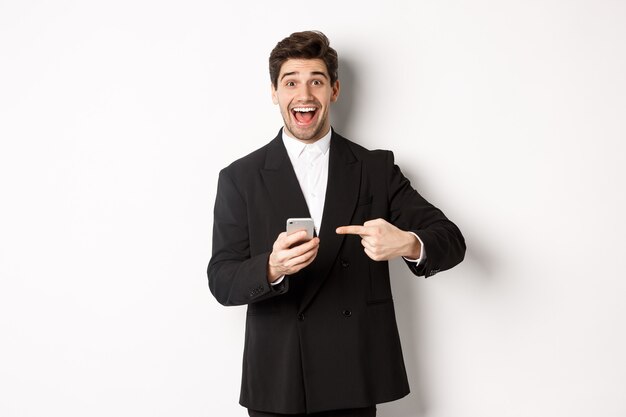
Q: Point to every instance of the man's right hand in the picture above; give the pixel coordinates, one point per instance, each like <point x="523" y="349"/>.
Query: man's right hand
<point x="291" y="253"/>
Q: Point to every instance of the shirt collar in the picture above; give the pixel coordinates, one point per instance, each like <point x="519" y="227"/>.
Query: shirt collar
<point x="295" y="147"/>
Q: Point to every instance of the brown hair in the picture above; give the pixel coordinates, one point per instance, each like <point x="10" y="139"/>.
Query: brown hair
<point x="304" y="45"/>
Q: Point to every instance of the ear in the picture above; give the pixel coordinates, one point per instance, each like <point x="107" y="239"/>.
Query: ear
<point x="335" y="93"/>
<point x="274" y="95"/>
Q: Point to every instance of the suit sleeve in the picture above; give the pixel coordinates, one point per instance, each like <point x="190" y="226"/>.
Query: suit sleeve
<point x="236" y="277"/>
<point x="443" y="241"/>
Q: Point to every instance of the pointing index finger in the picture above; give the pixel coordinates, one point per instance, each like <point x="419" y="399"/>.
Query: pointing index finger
<point x="352" y="230"/>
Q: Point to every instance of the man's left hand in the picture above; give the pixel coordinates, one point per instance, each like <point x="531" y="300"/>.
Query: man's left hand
<point x="383" y="241"/>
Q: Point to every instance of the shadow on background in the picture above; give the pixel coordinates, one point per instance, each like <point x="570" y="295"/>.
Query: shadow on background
<point x="345" y="107"/>
<point x="410" y="318"/>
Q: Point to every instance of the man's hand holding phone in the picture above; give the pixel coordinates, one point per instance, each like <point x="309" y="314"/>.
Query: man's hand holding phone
<point x="290" y="253"/>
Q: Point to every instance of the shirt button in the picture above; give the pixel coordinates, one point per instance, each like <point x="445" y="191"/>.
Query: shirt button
<point x="300" y="317"/>
<point x="347" y="313"/>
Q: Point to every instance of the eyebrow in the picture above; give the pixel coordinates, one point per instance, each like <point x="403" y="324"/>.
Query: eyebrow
<point x="287" y="74"/>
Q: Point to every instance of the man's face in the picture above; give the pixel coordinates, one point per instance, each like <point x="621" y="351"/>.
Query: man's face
<point x="304" y="93"/>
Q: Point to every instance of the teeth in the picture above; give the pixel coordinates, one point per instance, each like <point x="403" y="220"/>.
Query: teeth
<point x="304" y="109"/>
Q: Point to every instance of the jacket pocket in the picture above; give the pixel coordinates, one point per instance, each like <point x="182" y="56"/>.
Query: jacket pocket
<point x="379" y="285"/>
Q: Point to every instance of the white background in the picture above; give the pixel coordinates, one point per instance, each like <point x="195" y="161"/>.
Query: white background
<point x="116" y="116"/>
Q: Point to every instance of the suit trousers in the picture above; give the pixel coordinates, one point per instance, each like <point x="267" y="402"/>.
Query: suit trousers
<point x="351" y="412"/>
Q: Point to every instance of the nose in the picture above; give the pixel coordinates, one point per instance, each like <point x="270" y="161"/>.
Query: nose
<point x="304" y="93"/>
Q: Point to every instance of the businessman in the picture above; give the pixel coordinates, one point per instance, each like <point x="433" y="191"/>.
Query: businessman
<point x="321" y="336"/>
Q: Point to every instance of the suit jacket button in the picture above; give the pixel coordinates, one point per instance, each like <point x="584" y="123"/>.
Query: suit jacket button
<point x="344" y="263"/>
<point x="300" y="317"/>
<point x="347" y="313"/>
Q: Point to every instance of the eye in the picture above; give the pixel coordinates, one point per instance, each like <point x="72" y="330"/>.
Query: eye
<point x="290" y="84"/>
<point x="316" y="82"/>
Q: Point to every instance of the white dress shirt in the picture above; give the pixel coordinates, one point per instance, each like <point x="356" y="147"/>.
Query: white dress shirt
<point x="310" y="162"/>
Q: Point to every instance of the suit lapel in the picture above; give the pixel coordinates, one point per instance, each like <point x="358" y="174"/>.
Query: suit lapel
<point x="282" y="184"/>
<point x="342" y="191"/>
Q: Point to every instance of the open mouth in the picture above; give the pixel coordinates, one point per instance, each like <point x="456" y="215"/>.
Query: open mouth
<point x="304" y="115"/>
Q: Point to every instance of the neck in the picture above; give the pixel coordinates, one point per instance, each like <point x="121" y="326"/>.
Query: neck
<point x="306" y="141"/>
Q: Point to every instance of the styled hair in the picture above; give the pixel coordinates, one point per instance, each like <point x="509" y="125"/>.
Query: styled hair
<point x="304" y="45"/>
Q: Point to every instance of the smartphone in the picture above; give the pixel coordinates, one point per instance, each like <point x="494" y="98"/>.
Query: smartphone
<point x="297" y="224"/>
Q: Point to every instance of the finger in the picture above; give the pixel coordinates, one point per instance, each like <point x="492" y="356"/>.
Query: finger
<point x="372" y="250"/>
<point x="352" y="230"/>
<point x="374" y="256"/>
<point x="307" y="244"/>
<point x="296" y="260"/>
<point x="301" y="261"/>
<point x="366" y="244"/>
<point x="302" y="248"/>
<point x="294" y="238"/>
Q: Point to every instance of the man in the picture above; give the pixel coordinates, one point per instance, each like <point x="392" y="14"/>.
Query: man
<point x="321" y="335"/>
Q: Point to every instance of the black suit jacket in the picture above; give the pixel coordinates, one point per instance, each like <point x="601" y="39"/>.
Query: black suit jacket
<point x="325" y="338"/>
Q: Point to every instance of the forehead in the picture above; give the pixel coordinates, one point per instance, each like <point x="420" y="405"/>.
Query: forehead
<point x="303" y="67"/>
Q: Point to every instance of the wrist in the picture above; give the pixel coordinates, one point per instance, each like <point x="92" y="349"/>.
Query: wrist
<point x="272" y="274"/>
<point x="413" y="246"/>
